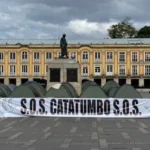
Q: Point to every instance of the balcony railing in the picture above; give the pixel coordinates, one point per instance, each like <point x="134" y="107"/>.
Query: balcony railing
<point x="121" y="60"/>
<point x="122" y="74"/>
<point x="36" y="73"/>
<point x="85" y="74"/>
<point x="109" y="60"/>
<point x="24" y="60"/>
<point x="48" y="60"/>
<point x="36" y="60"/>
<point x="97" y="60"/>
<point x="147" y="74"/>
<point x="24" y="73"/>
<point x="12" y="73"/>
<point x="12" y="60"/>
<point x="109" y="73"/>
<point x="1" y="73"/>
<point x="97" y="73"/>
<point x="85" y="60"/>
<point x="134" y="74"/>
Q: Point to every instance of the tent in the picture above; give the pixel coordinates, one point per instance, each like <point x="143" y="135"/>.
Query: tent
<point x="36" y="87"/>
<point x="92" y="90"/>
<point x="11" y="86"/>
<point x="4" y="90"/>
<point x="109" y="85"/>
<point x="70" y="89"/>
<point x="23" y="91"/>
<point x="127" y="91"/>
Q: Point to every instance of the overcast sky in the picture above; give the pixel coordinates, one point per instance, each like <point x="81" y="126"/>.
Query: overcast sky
<point x="82" y="19"/>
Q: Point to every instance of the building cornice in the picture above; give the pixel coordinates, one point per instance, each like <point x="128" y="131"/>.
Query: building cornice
<point x="72" y="46"/>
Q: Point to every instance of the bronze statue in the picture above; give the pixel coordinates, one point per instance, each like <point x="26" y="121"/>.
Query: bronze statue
<point x="63" y="45"/>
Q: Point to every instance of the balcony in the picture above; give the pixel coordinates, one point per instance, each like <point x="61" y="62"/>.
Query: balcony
<point x="36" y="73"/>
<point x="109" y="73"/>
<point x="121" y="60"/>
<point x="97" y="60"/>
<point x="1" y="60"/>
<point x="36" y="60"/>
<point x="97" y="74"/>
<point x="24" y="60"/>
<point x="109" y="60"/>
<point x="24" y="73"/>
<point x="85" y="74"/>
<point x="134" y="74"/>
<point x="12" y="60"/>
<point x="12" y="73"/>
<point x="85" y="60"/>
<point x="1" y="73"/>
<point x="122" y="74"/>
<point x="147" y="74"/>
<point x="48" y="60"/>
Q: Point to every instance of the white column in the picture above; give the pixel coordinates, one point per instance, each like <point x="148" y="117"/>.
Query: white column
<point x="30" y="79"/>
<point x="6" y="80"/>
<point x="103" y="81"/>
<point x="141" y="82"/>
<point x="128" y="81"/>
<point x="18" y="81"/>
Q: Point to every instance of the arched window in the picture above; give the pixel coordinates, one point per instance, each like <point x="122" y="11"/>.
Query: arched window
<point x="24" y="56"/>
<point x="85" y="56"/>
<point x="85" y="70"/>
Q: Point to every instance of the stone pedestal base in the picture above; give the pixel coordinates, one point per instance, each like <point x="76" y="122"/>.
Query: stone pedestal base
<point x="64" y="65"/>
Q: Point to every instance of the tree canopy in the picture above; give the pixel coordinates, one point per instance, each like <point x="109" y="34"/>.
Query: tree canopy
<point x="144" y="32"/>
<point x="122" y="30"/>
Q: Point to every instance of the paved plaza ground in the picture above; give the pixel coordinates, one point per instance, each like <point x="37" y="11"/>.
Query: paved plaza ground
<point x="74" y="134"/>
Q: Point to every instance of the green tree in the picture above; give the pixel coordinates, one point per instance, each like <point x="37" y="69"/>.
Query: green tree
<point x="123" y="29"/>
<point x="144" y="32"/>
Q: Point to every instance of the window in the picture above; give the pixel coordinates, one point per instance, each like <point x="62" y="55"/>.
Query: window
<point x="1" y="57"/>
<point x="12" y="57"/>
<point x="122" y="56"/>
<point x="134" y="57"/>
<point x="122" y="70"/>
<point x="147" y="56"/>
<point x="36" y="69"/>
<point x="109" y="56"/>
<point x="147" y="70"/>
<point x="24" y="70"/>
<point x="73" y="55"/>
<point x="1" y="70"/>
<point x="85" y="70"/>
<point x="109" y="70"/>
<point x="36" y="56"/>
<point x="97" y="56"/>
<point x="48" y="56"/>
<point x="134" y="70"/>
<point x="97" y="70"/>
<point x="85" y="56"/>
<point x="12" y="70"/>
<point x="24" y="56"/>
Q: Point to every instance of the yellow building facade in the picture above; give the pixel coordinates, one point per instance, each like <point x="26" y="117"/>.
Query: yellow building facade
<point x="124" y="63"/>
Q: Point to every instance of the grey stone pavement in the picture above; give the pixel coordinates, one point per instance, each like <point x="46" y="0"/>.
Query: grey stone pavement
<point x="74" y="134"/>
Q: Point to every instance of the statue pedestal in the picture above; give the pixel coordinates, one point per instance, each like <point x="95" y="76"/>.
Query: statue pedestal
<point x="64" y="70"/>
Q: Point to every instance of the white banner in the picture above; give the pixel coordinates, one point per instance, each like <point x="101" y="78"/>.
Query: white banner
<point x="75" y="107"/>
